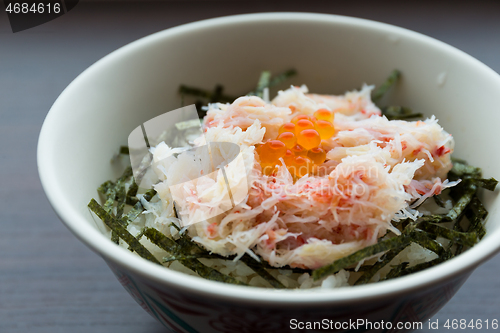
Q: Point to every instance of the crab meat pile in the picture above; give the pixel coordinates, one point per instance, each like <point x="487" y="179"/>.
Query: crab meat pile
<point x="376" y="171"/>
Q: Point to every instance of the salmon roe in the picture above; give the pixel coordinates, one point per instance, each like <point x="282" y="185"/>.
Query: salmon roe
<point x="309" y="139"/>
<point x="300" y="117"/>
<point x="288" y="127"/>
<point x="317" y="155"/>
<point x="289" y="157"/>
<point x="303" y="124"/>
<point x="324" y="114"/>
<point x="298" y="144"/>
<point x="325" y="129"/>
<point x="299" y="150"/>
<point x="288" y="138"/>
<point x="301" y="166"/>
<point x="271" y="151"/>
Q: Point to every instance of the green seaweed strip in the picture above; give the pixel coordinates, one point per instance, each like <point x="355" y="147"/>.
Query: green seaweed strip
<point x="476" y="224"/>
<point x="476" y="213"/>
<point x="187" y="90"/>
<point x="115" y="238"/>
<point x="265" y="80"/>
<point x="372" y="270"/>
<point x="389" y="82"/>
<point x="117" y="226"/>
<point x="210" y="273"/>
<point x="421" y="238"/>
<point x="263" y="83"/>
<point x="162" y="241"/>
<point x="396" y="271"/>
<point x="186" y="245"/>
<point x="457" y="227"/>
<point x="199" y="109"/>
<point x="488" y="184"/>
<point x="180" y="257"/>
<point x="425" y="265"/>
<point x="134" y="212"/>
<point x="282" y="77"/>
<point x="468" y="239"/>
<point x="438" y="200"/>
<point x="109" y="189"/>
<point x="399" y="113"/>
<point x="127" y="173"/>
<point x="121" y="196"/>
<point x="131" y="200"/>
<point x="432" y="218"/>
<point x="260" y="270"/>
<point x="478" y="206"/>
<point x="104" y="187"/>
<point x="124" y="150"/>
<point x="217" y="94"/>
<point x="462" y="202"/>
<point x="388" y="244"/>
<point x="257" y="267"/>
<point x="132" y="190"/>
<point x="138" y="208"/>
<point x="267" y="266"/>
<point x="110" y="199"/>
<point x="149" y="194"/>
<point x="460" y="169"/>
<point x="427" y="218"/>
<point x="171" y="246"/>
<point x="172" y="224"/>
<point x="114" y="192"/>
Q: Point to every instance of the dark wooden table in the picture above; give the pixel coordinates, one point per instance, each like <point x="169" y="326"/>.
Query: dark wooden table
<point x="49" y="281"/>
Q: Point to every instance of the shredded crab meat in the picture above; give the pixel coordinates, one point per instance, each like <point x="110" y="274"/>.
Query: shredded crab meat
<point x="376" y="171"/>
<point x="243" y="112"/>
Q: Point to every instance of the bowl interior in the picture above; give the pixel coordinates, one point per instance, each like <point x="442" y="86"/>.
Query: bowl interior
<point x="332" y="54"/>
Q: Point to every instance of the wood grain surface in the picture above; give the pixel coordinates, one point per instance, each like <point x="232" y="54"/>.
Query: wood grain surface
<point x="49" y="281"/>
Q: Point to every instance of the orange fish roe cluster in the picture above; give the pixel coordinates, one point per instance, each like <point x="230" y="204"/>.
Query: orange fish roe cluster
<point x="298" y="144"/>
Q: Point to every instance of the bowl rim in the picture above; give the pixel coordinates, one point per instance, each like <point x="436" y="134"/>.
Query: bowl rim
<point x="120" y="257"/>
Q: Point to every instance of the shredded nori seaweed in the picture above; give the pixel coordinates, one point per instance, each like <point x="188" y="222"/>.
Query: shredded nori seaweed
<point x="426" y="241"/>
<point x="171" y="246"/>
<point x="122" y="232"/>
<point x="393" y="243"/>
<point x="124" y="150"/>
<point x="424" y="265"/>
<point x="373" y="269"/>
<point x="396" y="271"/>
<point x="438" y="200"/>
<point x="218" y="96"/>
<point x="264" y="81"/>
<point x="399" y="113"/>
<point x="380" y="91"/>
<point x="393" y="112"/>
<point x="193" y="91"/>
<point x="115" y="192"/>
<point x="282" y="77"/>
<point x="464" y="238"/>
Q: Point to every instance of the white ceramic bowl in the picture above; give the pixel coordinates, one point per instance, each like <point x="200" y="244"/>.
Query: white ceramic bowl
<point x="97" y="111"/>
